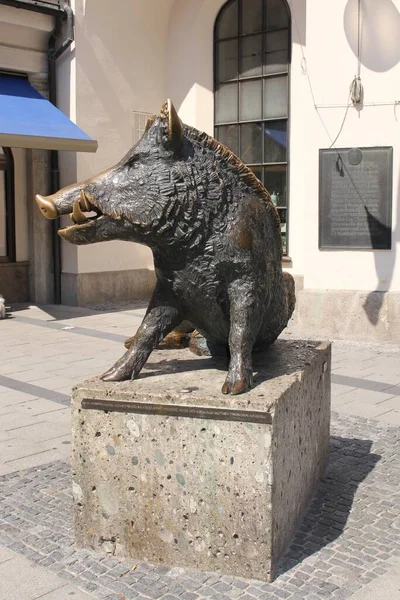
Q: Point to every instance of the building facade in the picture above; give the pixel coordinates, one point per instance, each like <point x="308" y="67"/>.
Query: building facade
<point x="271" y="79"/>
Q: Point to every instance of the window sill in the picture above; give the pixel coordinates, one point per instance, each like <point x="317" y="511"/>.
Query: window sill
<point x="6" y="262"/>
<point x="286" y="261"/>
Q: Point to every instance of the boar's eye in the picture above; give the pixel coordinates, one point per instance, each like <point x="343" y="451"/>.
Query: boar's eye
<point x="132" y="160"/>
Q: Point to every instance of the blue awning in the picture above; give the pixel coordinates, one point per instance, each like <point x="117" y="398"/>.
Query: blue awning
<point x="27" y="120"/>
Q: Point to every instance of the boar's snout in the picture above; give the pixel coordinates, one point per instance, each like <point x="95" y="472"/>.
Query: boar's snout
<point x="46" y="206"/>
<point x="71" y="200"/>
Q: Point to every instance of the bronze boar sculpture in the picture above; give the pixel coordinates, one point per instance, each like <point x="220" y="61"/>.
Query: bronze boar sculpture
<point x="215" y="238"/>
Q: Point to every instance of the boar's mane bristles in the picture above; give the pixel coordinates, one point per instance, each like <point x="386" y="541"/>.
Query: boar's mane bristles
<point x="234" y="163"/>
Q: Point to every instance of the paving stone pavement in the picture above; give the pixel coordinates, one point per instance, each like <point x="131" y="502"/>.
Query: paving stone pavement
<point x="349" y="536"/>
<point x="348" y="541"/>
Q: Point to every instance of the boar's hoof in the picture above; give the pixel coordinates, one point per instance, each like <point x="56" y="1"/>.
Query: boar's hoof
<point x="236" y="387"/>
<point x="121" y="372"/>
<point x="240" y="386"/>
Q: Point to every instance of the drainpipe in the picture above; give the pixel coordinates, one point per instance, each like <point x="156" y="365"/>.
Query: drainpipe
<point x="53" y="54"/>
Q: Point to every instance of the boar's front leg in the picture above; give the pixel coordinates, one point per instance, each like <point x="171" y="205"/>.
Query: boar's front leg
<point x="161" y="317"/>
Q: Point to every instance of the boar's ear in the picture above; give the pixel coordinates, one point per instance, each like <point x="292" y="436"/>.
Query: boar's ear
<point x="175" y="127"/>
<point x="149" y="123"/>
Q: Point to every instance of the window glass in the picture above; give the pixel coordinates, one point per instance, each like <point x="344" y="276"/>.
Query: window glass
<point x="275" y="182"/>
<point x="250" y="100"/>
<point x="275" y="141"/>
<point x="227" y="23"/>
<point x="252" y="91"/>
<point x="251" y="16"/>
<point x="276" y="52"/>
<point x="257" y="172"/>
<point x="226" y="103"/>
<point x="251" y="55"/>
<point x="276" y="14"/>
<point x="275" y="97"/>
<point x="283" y="218"/>
<point x="227" y="67"/>
<point x="251" y="143"/>
<point x="228" y="135"/>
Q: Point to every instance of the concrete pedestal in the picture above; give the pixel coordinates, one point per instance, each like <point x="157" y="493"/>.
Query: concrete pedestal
<point x="168" y="470"/>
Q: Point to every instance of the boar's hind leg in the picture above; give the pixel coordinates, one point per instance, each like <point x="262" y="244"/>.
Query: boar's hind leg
<point x="160" y="319"/>
<point x="245" y="319"/>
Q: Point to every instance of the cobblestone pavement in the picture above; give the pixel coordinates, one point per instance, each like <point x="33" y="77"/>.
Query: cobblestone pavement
<point x="348" y="541"/>
<point x="349" y="537"/>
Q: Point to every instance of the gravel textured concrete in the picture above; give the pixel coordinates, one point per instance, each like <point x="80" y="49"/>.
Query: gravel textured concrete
<point x="179" y="474"/>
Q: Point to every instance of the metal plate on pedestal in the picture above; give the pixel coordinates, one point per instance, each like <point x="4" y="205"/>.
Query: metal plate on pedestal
<point x="355" y="198"/>
<point x="176" y="410"/>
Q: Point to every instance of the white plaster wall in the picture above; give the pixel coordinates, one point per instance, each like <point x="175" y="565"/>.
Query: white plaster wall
<point x="332" y="64"/>
<point x="326" y="34"/>
<point x="134" y="57"/>
<point x="117" y="66"/>
<point x="190" y="84"/>
<point x="190" y="61"/>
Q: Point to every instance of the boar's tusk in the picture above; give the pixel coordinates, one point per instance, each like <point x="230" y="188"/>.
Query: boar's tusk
<point x="77" y="214"/>
<point x="84" y="202"/>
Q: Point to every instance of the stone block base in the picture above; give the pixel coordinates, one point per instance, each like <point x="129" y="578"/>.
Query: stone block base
<point x="168" y="470"/>
<point x="348" y="315"/>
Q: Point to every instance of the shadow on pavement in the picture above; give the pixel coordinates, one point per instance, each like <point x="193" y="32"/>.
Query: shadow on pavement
<point x="61" y="312"/>
<point x="349" y="464"/>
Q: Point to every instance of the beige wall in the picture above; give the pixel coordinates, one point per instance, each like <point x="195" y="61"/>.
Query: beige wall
<point x="116" y="66"/>
<point x="190" y="61"/>
<point x="134" y="57"/>
<point x="190" y="84"/>
<point x="332" y="65"/>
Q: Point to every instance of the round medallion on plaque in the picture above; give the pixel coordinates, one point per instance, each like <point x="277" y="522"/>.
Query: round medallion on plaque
<point x="355" y="156"/>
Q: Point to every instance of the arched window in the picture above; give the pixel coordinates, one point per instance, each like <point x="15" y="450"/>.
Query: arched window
<point x="251" y="82"/>
<point x="7" y="213"/>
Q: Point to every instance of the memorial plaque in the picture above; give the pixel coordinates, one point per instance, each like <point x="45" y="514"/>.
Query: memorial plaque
<point x="355" y="198"/>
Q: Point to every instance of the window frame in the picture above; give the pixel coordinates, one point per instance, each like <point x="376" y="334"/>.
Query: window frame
<point x="263" y="76"/>
<point x="7" y="166"/>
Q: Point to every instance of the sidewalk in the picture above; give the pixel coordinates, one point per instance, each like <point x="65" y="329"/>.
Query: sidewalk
<point x="347" y="545"/>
